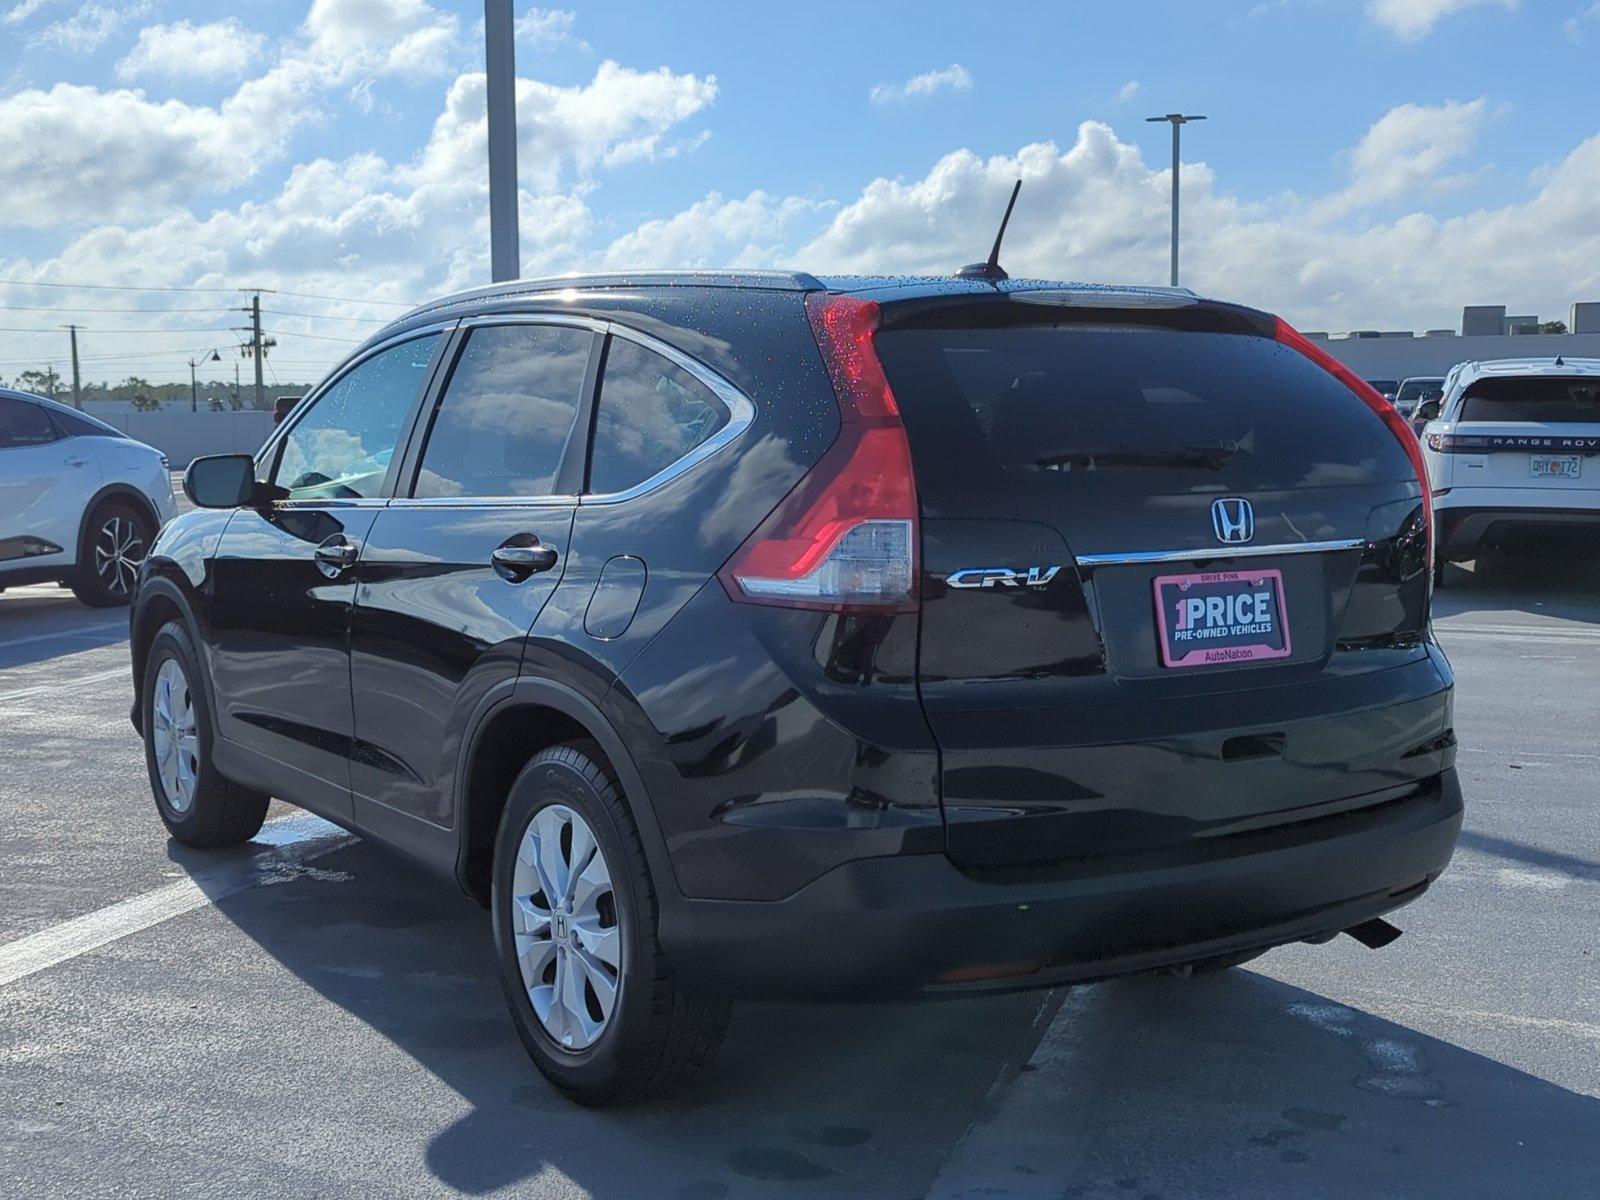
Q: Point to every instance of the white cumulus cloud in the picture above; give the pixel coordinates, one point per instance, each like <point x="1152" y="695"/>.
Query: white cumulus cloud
<point x="1410" y="20"/>
<point x="216" y="50"/>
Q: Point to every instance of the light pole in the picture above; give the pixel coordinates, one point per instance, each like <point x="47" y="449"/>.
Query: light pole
<point x="194" y="388"/>
<point x="1178" y="121"/>
<point x="500" y="69"/>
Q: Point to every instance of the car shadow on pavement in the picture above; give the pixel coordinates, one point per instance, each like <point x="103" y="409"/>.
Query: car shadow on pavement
<point x="1233" y="1085"/>
<point x="804" y="1100"/>
<point x="1239" y="1085"/>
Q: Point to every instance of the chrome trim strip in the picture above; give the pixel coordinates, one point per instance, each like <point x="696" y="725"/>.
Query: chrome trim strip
<point x="1206" y="554"/>
<point x="483" y="502"/>
<point x="741" y="412"/>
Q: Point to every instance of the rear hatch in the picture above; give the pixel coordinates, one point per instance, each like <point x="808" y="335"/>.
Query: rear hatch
<point x="1539" y="434"/>
<point x="1111" y="660"/>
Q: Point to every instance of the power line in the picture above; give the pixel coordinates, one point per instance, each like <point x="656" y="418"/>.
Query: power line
<point x="89" y="329"/>
<point x="129" y="287"/>
<point x="283" y="312"/>
<point x="56" y="308"/>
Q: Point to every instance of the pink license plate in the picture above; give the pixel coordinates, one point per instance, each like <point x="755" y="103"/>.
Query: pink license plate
<point x="1217" y="617"/>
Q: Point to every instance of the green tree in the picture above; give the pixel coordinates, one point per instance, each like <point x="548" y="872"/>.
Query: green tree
<point x="41" y="383"/>
<point x="143" y="400"/>
<point x="1553" y="327"/>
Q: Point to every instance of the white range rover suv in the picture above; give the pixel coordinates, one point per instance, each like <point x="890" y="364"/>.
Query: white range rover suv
<point x="80" y="501"/>
<point x="1513" y="454"/>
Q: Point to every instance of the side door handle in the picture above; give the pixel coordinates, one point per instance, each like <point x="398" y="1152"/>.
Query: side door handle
<point x="521" y="557"/>
<point x="336" y="555"/>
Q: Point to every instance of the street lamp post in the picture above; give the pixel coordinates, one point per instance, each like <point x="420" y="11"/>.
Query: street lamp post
<point x="1178" y="121"/>
<point x="194" y="388"/>
<point x="500" y="70"/>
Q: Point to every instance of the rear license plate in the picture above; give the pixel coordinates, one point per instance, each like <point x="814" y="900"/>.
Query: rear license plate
<point x="1555" y="466"/>
<point x="1221" y="617"/>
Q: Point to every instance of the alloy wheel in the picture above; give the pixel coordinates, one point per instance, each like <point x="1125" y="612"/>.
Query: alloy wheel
<point x="174" y="736"/>
<point x="564" y="918"/>
<point x="118" y="550"/>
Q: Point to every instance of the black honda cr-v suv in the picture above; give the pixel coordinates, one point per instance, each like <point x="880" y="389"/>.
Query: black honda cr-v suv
<point x="759" y="634"/>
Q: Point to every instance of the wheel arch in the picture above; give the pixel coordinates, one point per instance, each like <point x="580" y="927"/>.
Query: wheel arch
<point x="159" y="601"/>
<point x="497" y="746"/>
<point x="112" y="491"/>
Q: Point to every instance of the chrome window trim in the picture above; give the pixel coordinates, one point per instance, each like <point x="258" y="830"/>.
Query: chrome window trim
<point x="1205" y="554"/>
<point x="560" y="501"/>
<point x="741" y="414"/>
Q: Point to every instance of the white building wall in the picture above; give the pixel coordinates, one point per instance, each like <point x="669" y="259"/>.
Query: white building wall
<point x="184" y="435"/>
<point x="1398" y="358"/>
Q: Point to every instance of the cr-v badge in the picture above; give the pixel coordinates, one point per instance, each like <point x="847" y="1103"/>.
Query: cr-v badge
<point x="1232" y="519"/>
<point x="988" y="577"/>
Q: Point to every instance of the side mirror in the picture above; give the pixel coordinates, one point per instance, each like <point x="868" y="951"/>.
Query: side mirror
<point x="224" y="481"/>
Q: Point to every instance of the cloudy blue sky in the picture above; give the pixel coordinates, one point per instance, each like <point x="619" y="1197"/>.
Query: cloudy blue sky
<point x="1367" y="162"/>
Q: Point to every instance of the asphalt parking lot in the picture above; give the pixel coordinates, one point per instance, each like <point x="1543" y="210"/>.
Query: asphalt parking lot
<point x="309" y="1016"/>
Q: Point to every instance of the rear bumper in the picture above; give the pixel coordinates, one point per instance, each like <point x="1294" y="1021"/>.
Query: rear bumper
<point x="1466" y="529"/>
<point x="892" y="926"/>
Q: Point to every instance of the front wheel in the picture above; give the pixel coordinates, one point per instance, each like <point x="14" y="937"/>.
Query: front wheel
<point x="198" y="806"/>
<point x="574" y="910"/>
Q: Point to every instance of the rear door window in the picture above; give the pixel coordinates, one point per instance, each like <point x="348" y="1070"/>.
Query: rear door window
<point x="1552" y="401"/>
<point x="507" y="416"/>
<point x="24" y="424"/>
<point x="651" y="413"/>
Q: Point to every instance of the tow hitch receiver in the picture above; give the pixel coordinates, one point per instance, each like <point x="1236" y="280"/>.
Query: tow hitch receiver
<point x="1374" y="934"/>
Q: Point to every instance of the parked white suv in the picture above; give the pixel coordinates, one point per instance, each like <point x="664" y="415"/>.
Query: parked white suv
<point x="1513" y="454"/>
<point x="80" y="501"/>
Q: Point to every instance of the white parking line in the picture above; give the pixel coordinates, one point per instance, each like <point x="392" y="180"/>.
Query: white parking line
<point x="81" y="631"/>
<point x="286" y="843"/>
<point x="44" y="689"/>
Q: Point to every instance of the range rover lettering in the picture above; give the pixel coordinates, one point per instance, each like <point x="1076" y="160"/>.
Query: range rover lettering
<point x="765" y="635"/>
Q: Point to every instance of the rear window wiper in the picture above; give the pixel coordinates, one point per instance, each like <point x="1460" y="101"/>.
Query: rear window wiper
<point x="1210" y="456"/>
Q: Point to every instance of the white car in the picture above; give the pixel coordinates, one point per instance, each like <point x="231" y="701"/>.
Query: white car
<point x="80" y="501"/>
<point x="1513" y="454"/>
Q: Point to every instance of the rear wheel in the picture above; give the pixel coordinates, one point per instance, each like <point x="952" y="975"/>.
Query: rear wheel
<point x="117" y="540"/>
<point x="198" y="806"/>
<point x="575" y="925"/>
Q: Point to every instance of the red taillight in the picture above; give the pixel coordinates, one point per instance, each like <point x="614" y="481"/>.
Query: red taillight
<point x="1374" y="400"/>
<point x="845" y="538"/>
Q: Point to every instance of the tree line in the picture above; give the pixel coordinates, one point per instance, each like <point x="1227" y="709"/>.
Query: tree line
<point x="144" y="396"/>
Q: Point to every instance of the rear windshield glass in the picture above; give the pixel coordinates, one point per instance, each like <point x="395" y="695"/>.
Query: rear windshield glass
<point x="1105" y="408"/>
<point x="1551" y="400"/>
<point x="1414" y="391"/>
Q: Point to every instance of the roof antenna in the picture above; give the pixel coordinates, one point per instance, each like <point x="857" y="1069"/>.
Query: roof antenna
<point x="992" y="270"/>
<point x="1559" y="363"/>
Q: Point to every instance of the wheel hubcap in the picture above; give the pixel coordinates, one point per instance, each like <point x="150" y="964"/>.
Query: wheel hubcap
<point x="564" y="918"/>
<point x="174" y="737"/>
<point x="118" y="551"/>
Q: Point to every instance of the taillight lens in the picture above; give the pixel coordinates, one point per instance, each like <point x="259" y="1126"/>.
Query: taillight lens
<point x="845" y="538"/>
<point x="1374" y="400"/>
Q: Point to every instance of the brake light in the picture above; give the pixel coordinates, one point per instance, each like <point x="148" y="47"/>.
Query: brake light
<point x="1373" y="399"/>
<point x="845" y="538"/>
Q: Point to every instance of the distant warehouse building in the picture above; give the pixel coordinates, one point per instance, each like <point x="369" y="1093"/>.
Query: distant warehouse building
<point x="1486" y="332"/>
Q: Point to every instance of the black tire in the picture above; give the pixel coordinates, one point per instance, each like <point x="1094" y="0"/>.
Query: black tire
<point x="116" y="538"/>
<point x="657" y="1035"/>
<point x="219" y="812"/>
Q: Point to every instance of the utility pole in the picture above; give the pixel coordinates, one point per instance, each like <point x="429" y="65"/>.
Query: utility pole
<point x="1178" y="121"/>
<point x="77" y="387"/>
<point x="237" y="402"/>
<point x="500" y="67"/>
<point x="194" y="395"/>
<point x="255" y="346"/>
